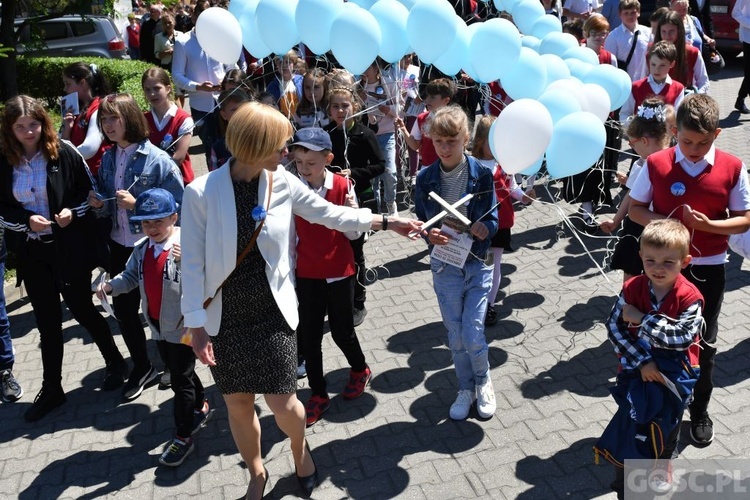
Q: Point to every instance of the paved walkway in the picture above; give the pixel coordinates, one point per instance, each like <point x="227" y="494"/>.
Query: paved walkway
<point x="551" y="365"/>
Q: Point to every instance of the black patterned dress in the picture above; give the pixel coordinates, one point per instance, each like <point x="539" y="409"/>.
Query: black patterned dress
<point x="255" y="349"/>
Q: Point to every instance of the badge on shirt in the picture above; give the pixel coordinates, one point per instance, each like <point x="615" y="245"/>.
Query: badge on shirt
<point x="678" y="189"/>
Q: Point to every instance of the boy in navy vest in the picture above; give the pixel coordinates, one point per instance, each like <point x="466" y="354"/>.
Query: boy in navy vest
<point x="325" y="275"/>
<point x="654" y="327"/>
<point x="154" y="267"/>
<point x="707" y="189"/>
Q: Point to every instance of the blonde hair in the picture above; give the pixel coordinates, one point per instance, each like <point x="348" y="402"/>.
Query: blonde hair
<point x="448" y="121"/>
<point x="666" y="233"/>
<point x="257" y="131"/>
<point x="482" y="135"/>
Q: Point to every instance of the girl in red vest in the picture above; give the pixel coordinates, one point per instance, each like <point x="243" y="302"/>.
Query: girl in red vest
<point x="82" y="129"/>
<point x="171" y="127"/>
<point x="596" y="30"/>
<point x="689" y="69"/>
<point x="325" y="275"/>
<point x="506" y="188"/>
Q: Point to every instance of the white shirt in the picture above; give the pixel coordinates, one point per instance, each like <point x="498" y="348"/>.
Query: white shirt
<point x="741" y="13"/>
<point x="185" y="128"/>
<point x="191" y="66"/>
<point x="620" y="41"/>
<point x="581" y="6"/>
<point x="739" y="196"/>
<point x="628" y="109"/>
<point x="158" y="248"/>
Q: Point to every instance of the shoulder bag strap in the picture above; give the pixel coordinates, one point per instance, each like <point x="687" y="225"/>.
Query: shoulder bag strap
<point x="632" y="49"/>
<point x="249" y="245"/>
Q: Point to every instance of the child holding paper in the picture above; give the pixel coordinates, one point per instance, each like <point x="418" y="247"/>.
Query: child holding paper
<point x="461" y="262"/>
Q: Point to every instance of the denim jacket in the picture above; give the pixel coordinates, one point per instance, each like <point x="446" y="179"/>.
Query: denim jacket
<point x="480" y="183"/>
<point x="152" y="168"/>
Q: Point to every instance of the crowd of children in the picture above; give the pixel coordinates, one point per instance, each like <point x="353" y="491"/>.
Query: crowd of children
<point x="137" y="165"/>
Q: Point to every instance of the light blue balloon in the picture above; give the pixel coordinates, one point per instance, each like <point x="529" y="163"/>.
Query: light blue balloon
<point x="560" y="103"/>
<point x="577" y="143"/>
<point x="531" y="42"/>
<point x="391" y="17"/>
<point x="557" y="43"/>
<point x="313" y="19"/>
<point x="408" y="3"/>
<point x="507" y="5"/>
<point x="527" y="78"/>
<point x="534" y="168"/>
<point x="355" y="39"/>
<point x="455" y="58"/>
<point x="494" y="49"/>
<point x="556" y="68"/>
<point x="236" y="7"/>
<point x="526" y="13"/>
<point x="275" y="21"/>
<point x="584" y="54"/>
<point x="431" y="28"/>
<point x="545" y="25"/>
<point x="615" y="81"/>
<point x="251" y="39"/>
<point x="365" y="4"/>
<point x="578" y="68"/>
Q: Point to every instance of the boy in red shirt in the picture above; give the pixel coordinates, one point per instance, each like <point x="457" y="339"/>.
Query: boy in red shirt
<point x="707" y="189"/>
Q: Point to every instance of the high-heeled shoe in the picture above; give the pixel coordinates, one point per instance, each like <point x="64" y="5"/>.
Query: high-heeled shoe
<point x="265" y="483"/>
<point x="308" y="483"/>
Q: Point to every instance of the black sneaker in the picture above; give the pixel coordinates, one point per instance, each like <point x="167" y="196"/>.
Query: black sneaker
<point x="359" y="315"/>
<point x="137" y="382"/>
<point x="702" y="429"/>
<point x="165" y="382"/>
<point x="301" y="368"/>
<point x="47" y="400"/>
<point x="739" y="105"/>
<point x="491" y="317"/>
<point x="201" y="418"/>
<point x="114" y="375"/>
<point x="177" y="452"/>
<point x="12" y="390"/>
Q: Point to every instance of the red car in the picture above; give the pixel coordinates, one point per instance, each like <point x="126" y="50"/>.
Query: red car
<point x="725" y="27"/>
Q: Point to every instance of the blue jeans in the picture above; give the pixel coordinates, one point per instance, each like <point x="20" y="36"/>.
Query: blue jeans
<point x="6" y="344"/>
<point x="387" y="144"/>
<point x="462" y="297"/>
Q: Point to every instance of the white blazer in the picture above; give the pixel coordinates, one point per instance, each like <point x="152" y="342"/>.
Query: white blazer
<point x="209" y="239"/>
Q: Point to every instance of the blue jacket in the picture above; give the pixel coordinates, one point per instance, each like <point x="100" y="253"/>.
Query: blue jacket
<point x="274" y="88"/>
<point x="153" y="168"/>
<point x="480" y="184"/>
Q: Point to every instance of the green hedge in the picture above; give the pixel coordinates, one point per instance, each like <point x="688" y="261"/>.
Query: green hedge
<point x="41" y="77"/>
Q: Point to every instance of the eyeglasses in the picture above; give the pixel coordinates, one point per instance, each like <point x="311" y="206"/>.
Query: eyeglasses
<point x="599" y="34"/>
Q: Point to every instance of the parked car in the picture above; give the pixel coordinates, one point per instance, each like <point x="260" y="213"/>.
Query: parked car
<point x="73" y="36"/>
<point x="726" y="29"/>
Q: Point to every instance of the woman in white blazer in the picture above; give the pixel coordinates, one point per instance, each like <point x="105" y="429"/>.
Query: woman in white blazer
<point x="246" y="334"/>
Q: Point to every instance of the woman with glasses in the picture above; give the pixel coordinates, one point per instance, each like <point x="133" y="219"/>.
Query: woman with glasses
<point x="131" y="166"/>
<point x="43" y="199"/>
<point x="238" y="296"/>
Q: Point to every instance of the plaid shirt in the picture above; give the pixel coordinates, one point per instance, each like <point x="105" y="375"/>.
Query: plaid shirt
<point x="656" y="330"/>
<point x="30" y="187"/>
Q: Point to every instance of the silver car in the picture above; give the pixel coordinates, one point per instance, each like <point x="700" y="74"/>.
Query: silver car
<point x="74" y="36"/>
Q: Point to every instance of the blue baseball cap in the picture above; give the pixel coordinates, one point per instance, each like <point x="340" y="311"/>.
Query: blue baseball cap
<point x="153" y="204"/>
<point x="312" y="138"/>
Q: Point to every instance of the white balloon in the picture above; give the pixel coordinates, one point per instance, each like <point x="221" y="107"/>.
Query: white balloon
<point x="597" y="100"/>
<point x="226" y="48"/>
<point x="521" y="135"/>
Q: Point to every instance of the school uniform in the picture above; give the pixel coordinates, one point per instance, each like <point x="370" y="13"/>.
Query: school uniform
<point x="176" y="123"/>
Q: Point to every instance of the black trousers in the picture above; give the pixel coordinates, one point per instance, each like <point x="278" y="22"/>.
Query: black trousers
<point x="710" y="280"/>
<point x="186" y="385"/>
<point x="315" y="297"/>
<point x="126" y="308"/>
<point x="44" y="284"/>
<point x="744" y="90"/>
<point x="360" y="293"/>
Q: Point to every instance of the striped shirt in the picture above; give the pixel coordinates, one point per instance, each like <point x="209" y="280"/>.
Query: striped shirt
<point x="453" y="187"/>
<point x="30" y="187"/>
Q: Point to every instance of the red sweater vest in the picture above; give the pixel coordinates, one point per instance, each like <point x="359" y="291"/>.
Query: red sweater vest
<point x="498" y="99"/>
<point x="605" y="57"/>
<point x="642" y="90"/>
<point x="153" y="279"/>
<point x="321" y="252"/>
<point x="427" y="150"/>
<point x="173" y="128"/>
<point x="691" y="57"/>
<point x="505" y="214"/>
<point x="683" y="295"/>
<point x="78" y="135"/>
<point x="707" y="193"/>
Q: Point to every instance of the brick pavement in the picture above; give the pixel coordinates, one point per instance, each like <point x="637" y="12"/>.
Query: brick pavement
<point x="551" y="365"/>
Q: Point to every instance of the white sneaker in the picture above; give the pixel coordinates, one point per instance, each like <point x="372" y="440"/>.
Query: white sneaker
<point x="486" y="404"/>
<point x="462" y="405"/>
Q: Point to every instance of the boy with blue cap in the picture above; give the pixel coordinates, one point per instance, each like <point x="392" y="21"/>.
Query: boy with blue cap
<point x="154" y="267"/>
